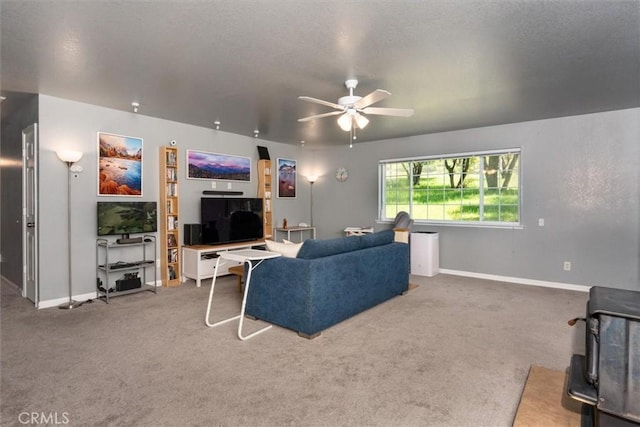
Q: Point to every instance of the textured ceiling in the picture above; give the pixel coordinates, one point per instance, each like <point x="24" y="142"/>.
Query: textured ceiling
<point x="459" y="64"/>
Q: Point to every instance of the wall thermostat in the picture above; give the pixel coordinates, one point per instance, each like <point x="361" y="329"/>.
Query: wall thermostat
<point x="173" y="142"/>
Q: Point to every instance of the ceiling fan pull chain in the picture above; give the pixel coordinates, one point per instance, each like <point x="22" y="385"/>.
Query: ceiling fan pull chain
<point x="352" y="136"/>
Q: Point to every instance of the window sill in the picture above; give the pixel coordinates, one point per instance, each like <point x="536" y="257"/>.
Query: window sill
<point x="458" y="224"/>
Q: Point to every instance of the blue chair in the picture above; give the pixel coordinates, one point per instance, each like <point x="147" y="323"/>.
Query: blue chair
<point x="403" y="221"/>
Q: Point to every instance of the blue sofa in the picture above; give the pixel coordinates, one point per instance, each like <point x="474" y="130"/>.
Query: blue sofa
<point x="328" y="282"/>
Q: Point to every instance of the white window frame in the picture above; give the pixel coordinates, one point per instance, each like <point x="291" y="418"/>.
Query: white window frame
<point x="481" y="223"/>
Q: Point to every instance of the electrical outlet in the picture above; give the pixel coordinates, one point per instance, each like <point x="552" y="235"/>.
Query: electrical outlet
<point x="213" y="185"/>
<point x="228" y="186"/>
<point x="567" y="266"/>
<point x="541" y="222"/>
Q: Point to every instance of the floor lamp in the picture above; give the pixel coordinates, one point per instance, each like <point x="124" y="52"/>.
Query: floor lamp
<point x="70" y="157"/>
<point x="311" y="179"/>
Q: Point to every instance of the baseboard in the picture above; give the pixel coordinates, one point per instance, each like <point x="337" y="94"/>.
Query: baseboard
<point x="518" y="280"/>
<point x="59" y="301"/>
<point x="82" y="297"/>
<point x="15" y="287"/>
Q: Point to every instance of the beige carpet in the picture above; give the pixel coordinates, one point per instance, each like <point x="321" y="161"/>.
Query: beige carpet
<point x="453" y="352"/>
<point x="544" y="401"/>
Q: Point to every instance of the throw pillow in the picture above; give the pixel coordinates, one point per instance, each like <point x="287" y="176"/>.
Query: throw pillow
<point x="289" y="250"/>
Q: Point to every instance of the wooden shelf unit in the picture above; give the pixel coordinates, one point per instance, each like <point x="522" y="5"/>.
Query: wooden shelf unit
<point x="264" y="191"/>
<point x="170" y="252"/>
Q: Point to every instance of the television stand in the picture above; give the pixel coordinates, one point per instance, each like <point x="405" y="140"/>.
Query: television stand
<point x="199" y="261"/>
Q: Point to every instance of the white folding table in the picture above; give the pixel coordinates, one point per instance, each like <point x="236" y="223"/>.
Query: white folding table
<point x="244" y="256"/>
<point x="297" y="229"/>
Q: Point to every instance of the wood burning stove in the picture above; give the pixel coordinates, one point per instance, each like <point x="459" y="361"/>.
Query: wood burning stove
<point x="607" y="378"/>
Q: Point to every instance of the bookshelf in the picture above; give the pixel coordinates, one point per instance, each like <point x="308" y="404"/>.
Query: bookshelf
<point x="169" y="218"/>
<point x="264" y="191"/>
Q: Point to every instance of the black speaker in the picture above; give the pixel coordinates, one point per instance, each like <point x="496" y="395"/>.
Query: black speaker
<point x="263" y="153"/>
<point x="192" y="234"/>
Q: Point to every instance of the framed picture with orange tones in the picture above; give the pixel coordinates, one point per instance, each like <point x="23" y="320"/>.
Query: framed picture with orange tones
<point x="119" y="165"/>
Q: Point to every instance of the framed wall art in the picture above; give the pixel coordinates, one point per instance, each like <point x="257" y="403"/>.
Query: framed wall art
<point x="119" y="165"/>
<point x="215" y="166"/>
<point x="287" y="178"/>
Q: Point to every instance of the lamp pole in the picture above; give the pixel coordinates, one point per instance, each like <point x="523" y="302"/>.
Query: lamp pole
<point x="311" y="203"/>
<point x="311" y="179"/>
<point x="69" y="157"/>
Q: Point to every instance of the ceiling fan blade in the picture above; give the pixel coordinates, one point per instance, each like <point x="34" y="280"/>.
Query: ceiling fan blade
<point x="375" y="96"/>
<point x="398" y="112"/>
<point x="320" y="101"/>
<point x="318" y="116"/>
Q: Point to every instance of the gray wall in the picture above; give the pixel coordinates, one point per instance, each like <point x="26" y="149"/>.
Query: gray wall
<point x="23" y="115"/>
<point x="72" y="125"/>
<point x="579" y="173"/>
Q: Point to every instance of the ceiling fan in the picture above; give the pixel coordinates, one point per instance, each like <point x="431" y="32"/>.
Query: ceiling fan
<point x="351" y="108"/>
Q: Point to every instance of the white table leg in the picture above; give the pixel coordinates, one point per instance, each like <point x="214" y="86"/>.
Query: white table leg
<point x="213" y="285"/>
<point x="244" y="304"/>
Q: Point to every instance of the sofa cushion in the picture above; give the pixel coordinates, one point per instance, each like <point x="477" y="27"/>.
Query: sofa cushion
<point x="289" y="250"/>
<point x="312" y="248"/>
<point x="377" y="239"/>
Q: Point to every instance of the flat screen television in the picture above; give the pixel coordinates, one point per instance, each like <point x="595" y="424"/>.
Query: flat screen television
<point x="125" y="218"/>
<point x="229" y="220"/>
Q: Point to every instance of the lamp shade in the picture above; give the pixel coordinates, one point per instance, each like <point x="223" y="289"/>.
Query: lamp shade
<point x="344" y="121"/>
<point x="69" y="156"/>
<point x="361" y="121"/>
<point x="312" y="178"/>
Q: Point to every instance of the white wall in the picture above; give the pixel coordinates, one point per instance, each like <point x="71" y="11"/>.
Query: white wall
<point x="580" y="174"/>
<point x="72" y="125"/>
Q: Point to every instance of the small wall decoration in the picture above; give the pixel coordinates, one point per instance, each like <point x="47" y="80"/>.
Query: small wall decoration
<point x="119" y="165"/>
<point x="287" y="178"/>
<point x="214" y="166"/>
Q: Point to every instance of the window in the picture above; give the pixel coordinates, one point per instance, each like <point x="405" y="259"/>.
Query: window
<point x="472" y="188"/>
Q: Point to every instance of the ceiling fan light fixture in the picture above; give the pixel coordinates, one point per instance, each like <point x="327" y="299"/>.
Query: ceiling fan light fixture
<point x="345" y="122"/>
<point x="352" y="108"/>
<point x="361" y="121"/>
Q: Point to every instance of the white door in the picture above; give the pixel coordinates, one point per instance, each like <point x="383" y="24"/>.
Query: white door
<point x="30" y="213"/>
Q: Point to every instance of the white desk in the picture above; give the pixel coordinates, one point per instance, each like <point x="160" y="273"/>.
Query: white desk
<point x="243" y="256"/>
<point x="358" y="231"/>
<point x="198" y="261"/>
<point x="300" y="230"/>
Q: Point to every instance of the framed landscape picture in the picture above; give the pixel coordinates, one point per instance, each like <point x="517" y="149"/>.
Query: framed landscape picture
<point x="214" y="166"/>
<point x="287" y="178"/>
<point x="119" y="165"/>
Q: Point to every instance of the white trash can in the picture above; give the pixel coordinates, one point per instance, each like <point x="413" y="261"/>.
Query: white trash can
<point x="425" y="253"/>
